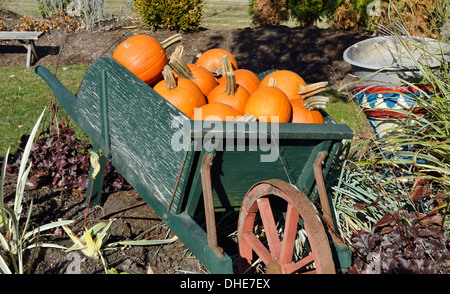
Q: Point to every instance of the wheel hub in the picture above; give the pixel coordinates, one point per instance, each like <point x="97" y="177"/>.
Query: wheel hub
<point x="274" y="267"/>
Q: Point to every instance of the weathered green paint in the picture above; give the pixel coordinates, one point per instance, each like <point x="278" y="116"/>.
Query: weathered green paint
<point x="135" y="127"/>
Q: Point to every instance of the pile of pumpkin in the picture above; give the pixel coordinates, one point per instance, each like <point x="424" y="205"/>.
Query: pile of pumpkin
<point x="214" y="88"/>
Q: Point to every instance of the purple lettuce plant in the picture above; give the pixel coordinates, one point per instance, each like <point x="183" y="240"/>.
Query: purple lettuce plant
<point x="61" y="160"/>
<point x="400" y="244"/>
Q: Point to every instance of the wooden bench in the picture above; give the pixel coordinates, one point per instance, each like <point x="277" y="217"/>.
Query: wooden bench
<point x="26" y="39"/>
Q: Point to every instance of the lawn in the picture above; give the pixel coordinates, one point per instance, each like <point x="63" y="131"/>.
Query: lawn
<point x="23" y="97"/>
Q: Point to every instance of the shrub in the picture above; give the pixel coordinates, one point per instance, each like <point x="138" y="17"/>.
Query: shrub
<point x="31" y="25"/>
<point x="180" y="15"/>
<point x="60" y="21"/>
<point x="69" y="15"/>
<point x="3" y="26"/>
<point x="351" y="15"/>
<point x="46" y="7"/>
<point x="271" y="12"/>
<point x="420" y="17"/>
<point x="308" y="12"/>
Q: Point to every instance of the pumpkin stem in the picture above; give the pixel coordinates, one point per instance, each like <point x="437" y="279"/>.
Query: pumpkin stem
<point x="225" y="63"/>
<point x="310" y="90"/>
<point x="316" y="102"/>
<point x="178" y="65"/>
<point x="230" y="83"/>
<point x="170" y="41"/>
<point x="217" y="72"/>
<point x="169" y="78"/>
<point x="228" y="72"/>
<point x="246" y="117"/>
<point x="272" y="82"/>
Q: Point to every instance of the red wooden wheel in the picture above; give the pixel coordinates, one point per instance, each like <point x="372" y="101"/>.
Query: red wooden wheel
<point x="272" y="239"/>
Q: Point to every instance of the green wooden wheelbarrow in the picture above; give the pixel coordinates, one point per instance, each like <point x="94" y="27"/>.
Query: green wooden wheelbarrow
<point x="273" y="175"/>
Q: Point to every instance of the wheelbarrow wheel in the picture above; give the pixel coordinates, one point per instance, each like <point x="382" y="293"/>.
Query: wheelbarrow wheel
<point x="279" y="226"/>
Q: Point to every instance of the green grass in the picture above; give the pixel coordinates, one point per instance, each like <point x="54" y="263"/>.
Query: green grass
<point x="344" y="111"/>
<point x="219" y="15"/>
<point x="23" y="97"/>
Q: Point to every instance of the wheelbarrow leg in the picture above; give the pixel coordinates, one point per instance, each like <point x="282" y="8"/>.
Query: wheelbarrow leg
<point x="320" y="182"/>
<point x="208" y="203"/>
<point x="324" y="201"/>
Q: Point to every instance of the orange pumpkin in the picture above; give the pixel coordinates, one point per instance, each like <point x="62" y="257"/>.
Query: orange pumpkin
<point x="237" y="99"/>
<point x="211" y="59"/>
<point x="182" y="93"/>
<point x="144" y="56"/>
<point x="229" y="92"/>
<point x="302" y="115"/>
<point x="244" y="78"/>
<point x="269" y="102"/>
<point x="216" y="112"/>
<point x="288" y="81"/>
<point x="204" y="79"/>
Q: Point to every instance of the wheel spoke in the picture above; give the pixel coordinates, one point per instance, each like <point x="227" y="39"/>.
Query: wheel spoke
<point x="290" y="232"/>
<point x="269" y="226"/>
<point x="299" y="264"/>
<point x="258" y="247"/>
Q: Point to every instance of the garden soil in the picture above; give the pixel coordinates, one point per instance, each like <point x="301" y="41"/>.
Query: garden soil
<point x="314" y="53"/>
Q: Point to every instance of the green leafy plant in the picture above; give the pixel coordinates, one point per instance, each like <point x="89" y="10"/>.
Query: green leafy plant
<point x="180" y="15"/>
<point x="363" y="195"/>
<point x="309" y="12"/>
<point x="16" y="234"/>
<point x="95" y="238"/>
<point x="92" y="240"/>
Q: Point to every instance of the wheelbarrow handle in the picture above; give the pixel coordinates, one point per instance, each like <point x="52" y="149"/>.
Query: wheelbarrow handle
<point x="66" y="98"/>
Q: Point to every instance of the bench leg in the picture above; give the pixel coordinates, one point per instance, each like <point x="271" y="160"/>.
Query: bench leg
<point x="31" y="51"/>
<point x="28" y="46"/>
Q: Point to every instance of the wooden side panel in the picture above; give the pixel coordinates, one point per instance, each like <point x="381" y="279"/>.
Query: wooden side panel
<point x="139" y="129"/>
<point x="234" y="173"/>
